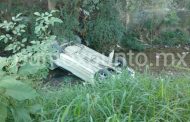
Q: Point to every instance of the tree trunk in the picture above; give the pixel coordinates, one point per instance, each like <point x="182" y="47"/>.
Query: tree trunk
<point x="51" y="4"/>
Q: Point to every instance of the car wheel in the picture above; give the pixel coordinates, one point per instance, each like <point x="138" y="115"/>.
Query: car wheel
<point x="120" y="62"/>
<point x="102" y="74"/>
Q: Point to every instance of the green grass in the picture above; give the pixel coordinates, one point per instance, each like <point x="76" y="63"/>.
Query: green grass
<point x="120" y="99"/>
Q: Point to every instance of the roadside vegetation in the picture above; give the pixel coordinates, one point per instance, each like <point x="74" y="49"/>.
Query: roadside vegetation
<point x="120" y="99"/>
<point x="26" y="52"/>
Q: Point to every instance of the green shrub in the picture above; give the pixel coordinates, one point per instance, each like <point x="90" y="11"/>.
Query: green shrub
<point x="13" y="35"/>
<point x="172" y="38"/>
<point x="104" y="28"/>
<point x="26" y="50"/>
<point x="16" y="68"/>
<point x="70" y="14"/>
<point x="131" y="41"/>
<point x="13" y="97"/>
<point x="104" y="34"/>
<point x="16" y="96"/>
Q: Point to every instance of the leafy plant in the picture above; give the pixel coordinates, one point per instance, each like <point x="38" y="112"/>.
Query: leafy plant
<point x="105" y="29"/>
<point x="14" y="33"/>
<point x="14" y="93"/>
<point x="131" y="39"/>
<point x="43" y="23"/>
<point x="70" y="15"/>
<point x="29" y="62"/>
<point x="172" y="38"/>
<point x="172" y="18"/>
<point x="35" y="55"/>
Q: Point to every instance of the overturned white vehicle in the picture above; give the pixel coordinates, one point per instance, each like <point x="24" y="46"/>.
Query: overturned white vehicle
<point x="86" y="63"/>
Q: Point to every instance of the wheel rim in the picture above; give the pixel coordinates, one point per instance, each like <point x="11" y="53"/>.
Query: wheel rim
<point x="102" y="74"/>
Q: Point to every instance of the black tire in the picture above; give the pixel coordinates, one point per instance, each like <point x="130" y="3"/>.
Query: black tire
<point x="102" y="75"/>
<point x="121" y="61"/>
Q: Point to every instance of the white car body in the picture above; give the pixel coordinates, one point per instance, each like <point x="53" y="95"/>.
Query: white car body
<point x="84" y="62"/>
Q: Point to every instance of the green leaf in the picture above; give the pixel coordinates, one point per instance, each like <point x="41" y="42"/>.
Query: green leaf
<point x="53" y="11"/>
<point x="54" y="19"/>
<point x="37" y="29"/>
<point x="24" y="40"/>
<point x="2" y="37"/>
<point x="46" y="13"/>
<point x="33" y="42"/>
<point x="3" y="61"/>
<point x="37" y="14"/>
<point x="18" y="15"/>
<point x="10" y="47"/>
<point x="3" y="113"/>
<point x="65" y="113"/>
<point x="16" y="89"/>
